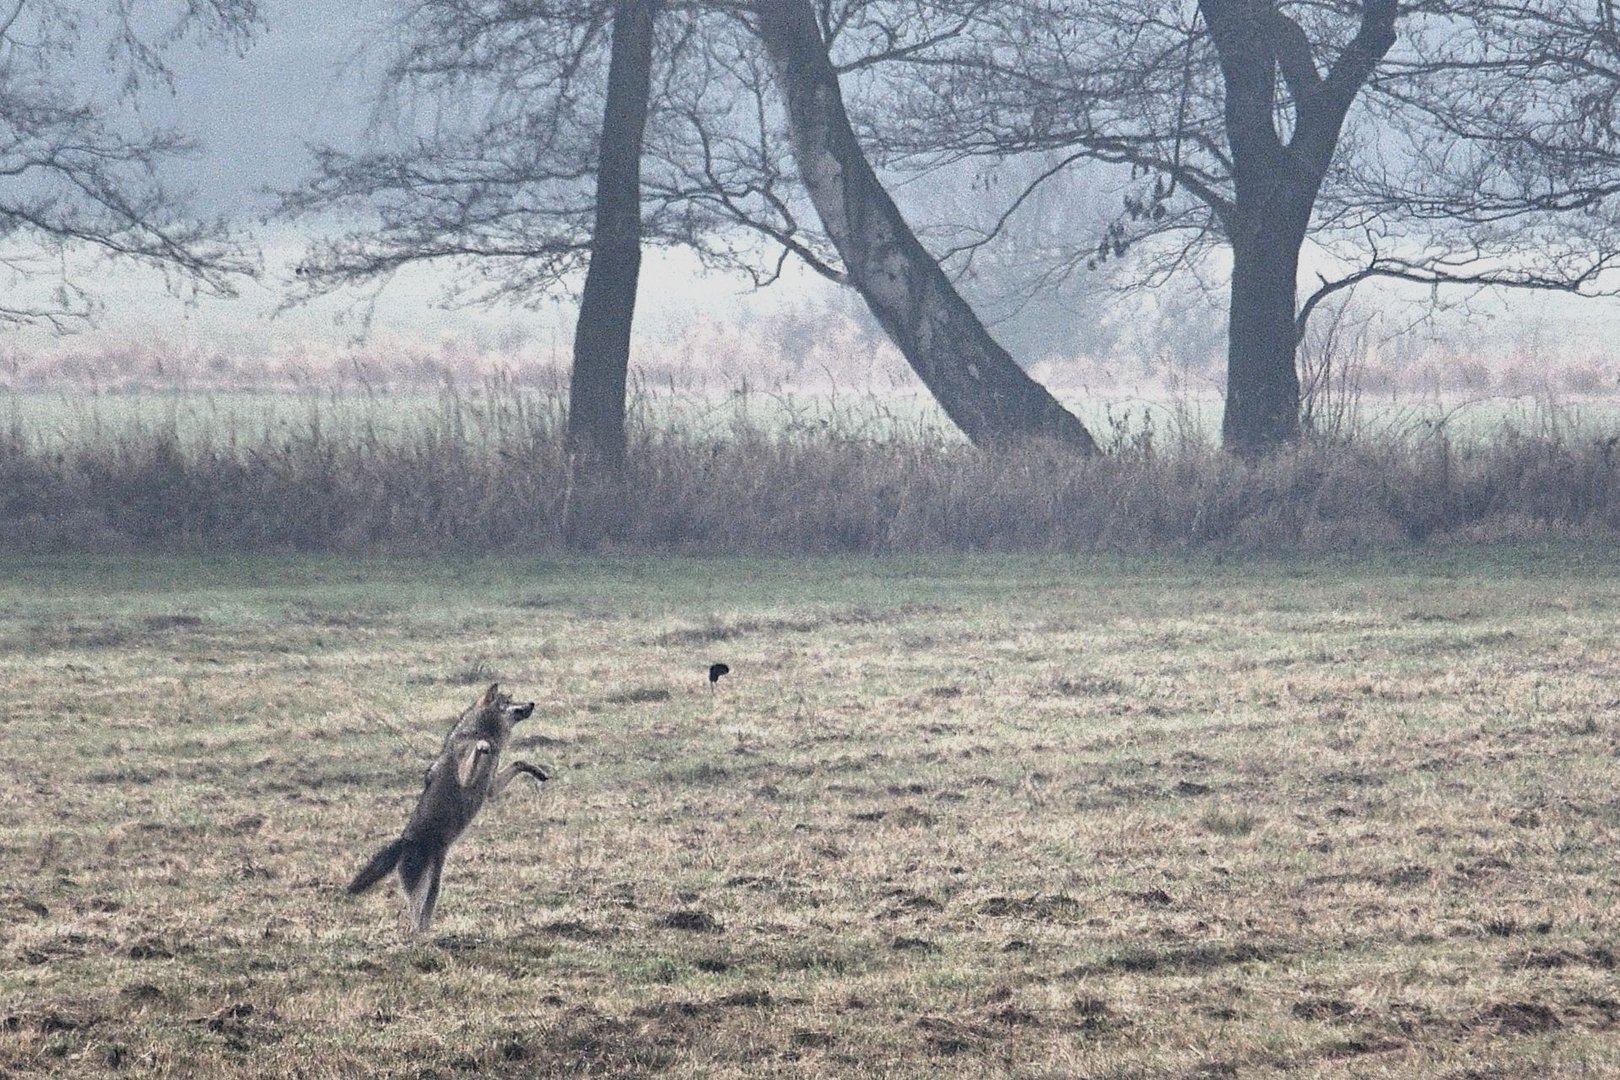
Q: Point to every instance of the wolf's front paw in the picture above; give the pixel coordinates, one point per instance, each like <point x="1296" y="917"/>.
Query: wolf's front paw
<point x="533" y="770"/>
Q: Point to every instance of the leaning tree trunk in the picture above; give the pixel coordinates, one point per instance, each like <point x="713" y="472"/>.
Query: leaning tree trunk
<point x="596" y="399"/>
<point x="974" y="379"/>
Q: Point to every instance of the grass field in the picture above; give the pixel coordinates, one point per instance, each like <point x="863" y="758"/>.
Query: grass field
<point x="1033" y="817"/>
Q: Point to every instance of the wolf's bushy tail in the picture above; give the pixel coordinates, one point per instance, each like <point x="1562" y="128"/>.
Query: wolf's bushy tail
<point x="379" y="866"/>
<point x="420" y="863"/>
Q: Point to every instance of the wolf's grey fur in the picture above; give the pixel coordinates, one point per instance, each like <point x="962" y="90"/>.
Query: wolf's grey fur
<point x="465" y="775"/>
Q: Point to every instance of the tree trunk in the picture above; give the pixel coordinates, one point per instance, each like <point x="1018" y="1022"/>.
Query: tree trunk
<point x="1275" y="188"/>
<point x="975" y="380"/>
<point x="1262" y="377"/>
<point x="596" y="398"/>
<point x="596" y="391"/>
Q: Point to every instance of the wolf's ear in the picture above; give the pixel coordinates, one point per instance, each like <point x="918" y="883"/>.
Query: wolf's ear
<point x="490" y="695"/>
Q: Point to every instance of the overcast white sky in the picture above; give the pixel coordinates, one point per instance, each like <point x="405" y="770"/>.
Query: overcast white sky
<point x="303" y="80"/>
<point x="306" y="79"/>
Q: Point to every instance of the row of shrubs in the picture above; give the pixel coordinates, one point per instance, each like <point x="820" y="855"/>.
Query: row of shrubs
<point x="492" y="479"/>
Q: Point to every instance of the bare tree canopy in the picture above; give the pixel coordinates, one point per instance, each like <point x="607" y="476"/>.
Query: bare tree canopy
<point x="1519" y="115"/>
<point x="1251" y="127"/>
<point x="490" y="119"/>
<point x="1441" y="143"/>
<point x="498" y="177"/>
<point x="81" y="172"/>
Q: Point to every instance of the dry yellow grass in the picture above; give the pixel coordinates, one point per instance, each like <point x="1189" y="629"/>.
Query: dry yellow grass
<point x="1004" y="817"/>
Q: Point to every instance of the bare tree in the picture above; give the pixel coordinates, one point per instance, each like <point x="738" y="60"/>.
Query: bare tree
<point x="1275" y="179"/>
<point x="1530" y="102"/>
<point x="1249" y="126"/>
<point x="973" y="378"/>
<point x="501" y="189"/>
<point x="489" y="117"/>
<point x="73" y="178"/>
<point x="596" y="402"/>
<point x="520" y="134"/>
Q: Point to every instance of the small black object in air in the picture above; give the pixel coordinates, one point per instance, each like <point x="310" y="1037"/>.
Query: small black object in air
<point x="717" y="670"/>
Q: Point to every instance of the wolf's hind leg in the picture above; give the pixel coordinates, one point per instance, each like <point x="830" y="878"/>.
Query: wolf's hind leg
<point x="420" y="875"/>
<point x="511" y="772"/>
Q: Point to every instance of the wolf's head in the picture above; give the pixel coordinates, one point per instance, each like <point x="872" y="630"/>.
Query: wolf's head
<point x="497" y="709"/>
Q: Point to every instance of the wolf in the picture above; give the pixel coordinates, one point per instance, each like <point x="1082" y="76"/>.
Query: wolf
<point x="464" y="776"/>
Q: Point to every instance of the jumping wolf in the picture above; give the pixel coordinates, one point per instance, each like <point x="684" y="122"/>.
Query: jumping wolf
<point x="456" y="785"/>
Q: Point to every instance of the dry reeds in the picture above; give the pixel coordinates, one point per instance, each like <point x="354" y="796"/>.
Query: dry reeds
<point x="488" y="472"/>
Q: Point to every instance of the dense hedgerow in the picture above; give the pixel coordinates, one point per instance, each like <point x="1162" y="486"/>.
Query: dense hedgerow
<point x="490" y="474"/>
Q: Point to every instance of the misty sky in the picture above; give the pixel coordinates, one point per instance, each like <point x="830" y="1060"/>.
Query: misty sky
<point x="303" y="80"/>
<point x="308" y="79"/>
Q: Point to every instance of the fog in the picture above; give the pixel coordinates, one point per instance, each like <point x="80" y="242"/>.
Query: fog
<point x="310" y="77"/>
